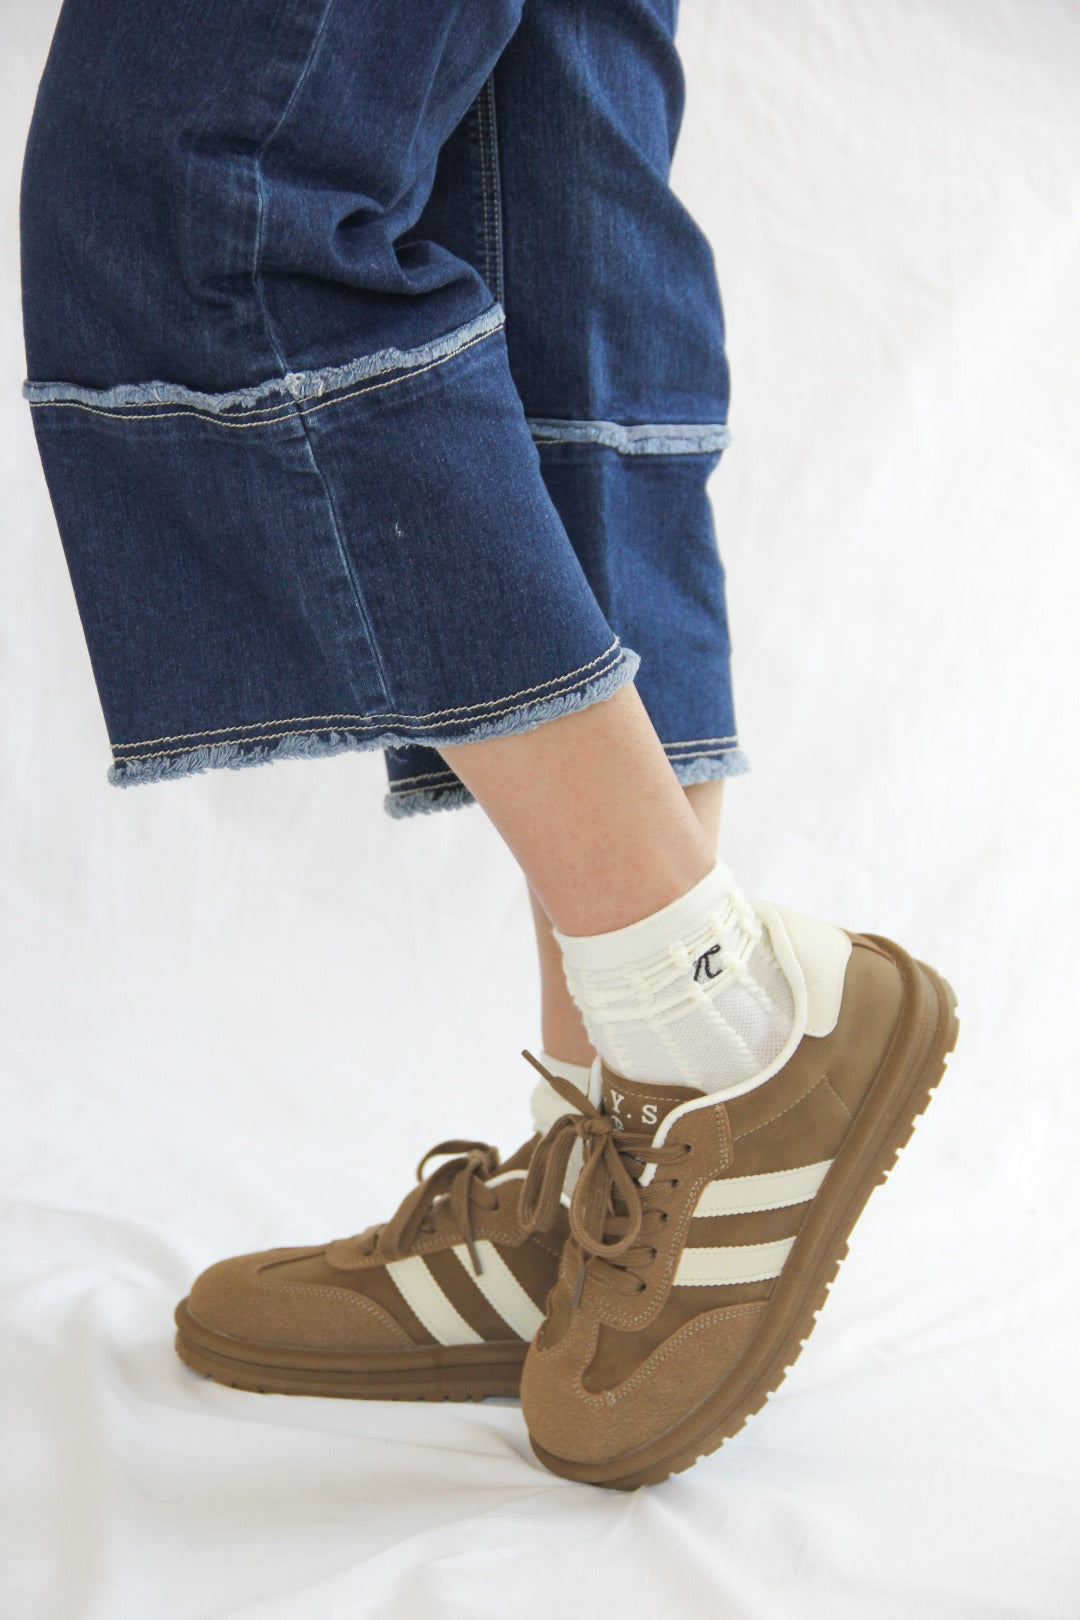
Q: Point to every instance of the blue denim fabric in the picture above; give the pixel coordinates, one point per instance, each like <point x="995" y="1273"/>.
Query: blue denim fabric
<point x="376" y="375"/>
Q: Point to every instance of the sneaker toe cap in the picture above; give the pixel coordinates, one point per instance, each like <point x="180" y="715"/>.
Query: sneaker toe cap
<point x="290" y="1299"/>
<point x="584" y="1425"/>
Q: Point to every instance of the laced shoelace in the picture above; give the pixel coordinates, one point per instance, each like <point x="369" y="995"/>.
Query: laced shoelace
<point x="612" y="1217"/>
<point x="460" y="1181"/>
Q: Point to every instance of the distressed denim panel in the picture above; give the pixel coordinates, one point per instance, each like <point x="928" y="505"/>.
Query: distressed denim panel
<point x="322" y="565"/>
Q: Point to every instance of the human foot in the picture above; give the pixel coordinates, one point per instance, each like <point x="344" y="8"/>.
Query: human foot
<point x="707" y="1229"/>
<point x="438" y="1303"/>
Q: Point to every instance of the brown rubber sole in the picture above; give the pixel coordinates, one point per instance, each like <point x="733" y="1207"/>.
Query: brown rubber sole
<point x="468" y="1372"/>
<point x="882" y="1127"/>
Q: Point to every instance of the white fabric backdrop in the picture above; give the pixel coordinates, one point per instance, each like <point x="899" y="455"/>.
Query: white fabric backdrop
<point x="237" y="1007"/>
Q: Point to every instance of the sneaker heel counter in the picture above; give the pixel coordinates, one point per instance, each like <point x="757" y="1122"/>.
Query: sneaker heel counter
<point x="874" y="995"/>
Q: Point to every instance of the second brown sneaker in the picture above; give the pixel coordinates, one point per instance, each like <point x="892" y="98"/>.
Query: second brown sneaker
<point x="438" y="1303"/>
<point x="705" y="1232"/>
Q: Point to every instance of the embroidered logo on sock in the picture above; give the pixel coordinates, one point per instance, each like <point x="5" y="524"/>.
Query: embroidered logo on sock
<point x="702" y="970"/>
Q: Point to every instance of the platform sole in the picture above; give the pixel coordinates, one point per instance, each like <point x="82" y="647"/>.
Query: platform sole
<point x="469" y="1372"/>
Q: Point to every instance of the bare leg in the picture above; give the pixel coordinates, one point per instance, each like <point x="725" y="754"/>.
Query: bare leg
<point x="593" y="813"/>
<point x="561" y="1027"/>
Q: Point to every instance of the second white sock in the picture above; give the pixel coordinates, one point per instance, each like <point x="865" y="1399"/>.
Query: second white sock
<point x="692" y="995"/>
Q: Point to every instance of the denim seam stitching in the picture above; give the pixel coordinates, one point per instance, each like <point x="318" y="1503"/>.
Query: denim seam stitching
<point x="432" y="714"/>
<point x="476" y="174"/>
<point x="347" y="562"/>
<point x="634" y="438"/>
<point x="484" y="222"/>
<point x="407" y="793"/>
<point x="711" y="753"/>
<point x="424" y="776"/>
<point x="404" y="793"/>
<point x="375" y="725"/>
<point x="281" y="412"/>
<point x="489" y="159"/>
<point x="693" y="742"/>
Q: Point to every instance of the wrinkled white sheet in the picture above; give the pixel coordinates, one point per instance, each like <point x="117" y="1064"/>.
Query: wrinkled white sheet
<point x="238" y="1007"/>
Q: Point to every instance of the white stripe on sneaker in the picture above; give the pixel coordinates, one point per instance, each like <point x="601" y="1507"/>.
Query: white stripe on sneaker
<point x="501" y="1288"/>
<point x="423" y="1295"/>
<point x="742" y="1195"/>
<point x="743" y="1262"/>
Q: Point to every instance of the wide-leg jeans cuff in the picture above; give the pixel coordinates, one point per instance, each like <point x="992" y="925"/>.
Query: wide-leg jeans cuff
<point x="364" y="556"/>
<point x="313" y="736"/>
<point x="634" y="501"/>
<point x="707" y="760"/>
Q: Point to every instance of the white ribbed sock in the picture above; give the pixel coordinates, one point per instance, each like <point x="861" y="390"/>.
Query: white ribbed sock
<point x="692" y="995"/>
<point x="547" y="1106"/>
<point x="576" y="1073"/>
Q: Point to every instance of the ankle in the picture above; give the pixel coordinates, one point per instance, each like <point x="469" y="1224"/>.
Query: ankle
<point x="570" y="1046"/>
<point x="693" y="995"/>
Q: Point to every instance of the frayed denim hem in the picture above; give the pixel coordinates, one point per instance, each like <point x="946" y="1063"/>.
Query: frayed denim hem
<point x="635" y="439"/>
<point x="708" y="769"/>
<point x="294" y="386"/>
<point x="423" y="801"/>
<point x="235" y="754"/>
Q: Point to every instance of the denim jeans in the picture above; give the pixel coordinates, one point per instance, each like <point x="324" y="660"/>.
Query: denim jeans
<point x="377" y="375"/>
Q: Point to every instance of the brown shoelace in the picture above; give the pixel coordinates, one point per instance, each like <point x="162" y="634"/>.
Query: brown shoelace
<point x="461" y="1181"/>
<point x="612" y="1217"/>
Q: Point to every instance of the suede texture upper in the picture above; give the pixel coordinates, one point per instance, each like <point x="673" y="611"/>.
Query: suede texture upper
<point x="338" y="1297"/>
<point x="620" y="1368"/>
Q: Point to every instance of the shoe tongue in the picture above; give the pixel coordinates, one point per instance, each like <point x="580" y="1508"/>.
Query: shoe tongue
<point x="547" y="1105"/>
<point x="638" y="1105"/>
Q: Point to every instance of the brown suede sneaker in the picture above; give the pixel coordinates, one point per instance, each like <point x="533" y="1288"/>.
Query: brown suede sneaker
<point x="706" y="1233"/>
<point x="437" y="1304"/>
